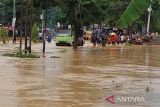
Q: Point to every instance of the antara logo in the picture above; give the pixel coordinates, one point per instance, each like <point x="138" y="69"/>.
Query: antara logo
<point x="124" y="99"/>
<point x="111" y="99"/>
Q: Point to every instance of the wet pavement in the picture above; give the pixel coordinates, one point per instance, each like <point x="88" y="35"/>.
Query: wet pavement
<point x="80" y="78"/>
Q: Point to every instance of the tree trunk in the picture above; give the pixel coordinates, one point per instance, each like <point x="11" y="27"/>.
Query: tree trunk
<point x="30" y="37"/>
<point x="76" y="35"/>
<point x="26" y="25"/>
<point x="145" y="21"/>
<point x="20" y="47"/>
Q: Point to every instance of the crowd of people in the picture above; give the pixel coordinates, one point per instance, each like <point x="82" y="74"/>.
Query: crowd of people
<point x="102" y="37"/>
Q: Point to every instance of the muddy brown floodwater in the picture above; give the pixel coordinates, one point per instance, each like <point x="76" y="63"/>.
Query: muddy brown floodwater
<point x="82" y="78"/>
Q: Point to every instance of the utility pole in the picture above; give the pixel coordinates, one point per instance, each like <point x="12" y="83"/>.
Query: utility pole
<point x="149" y="18"/>
<point x="14" y="20"/>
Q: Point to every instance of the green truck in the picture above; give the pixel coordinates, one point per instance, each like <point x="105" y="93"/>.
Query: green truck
<point x="64" y="37"/>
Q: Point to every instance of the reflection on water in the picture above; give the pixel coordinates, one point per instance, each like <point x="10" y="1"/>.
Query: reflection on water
<point x="81" y="78"/>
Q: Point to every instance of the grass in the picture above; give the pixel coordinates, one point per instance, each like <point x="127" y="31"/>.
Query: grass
<point x="21" y="54"/>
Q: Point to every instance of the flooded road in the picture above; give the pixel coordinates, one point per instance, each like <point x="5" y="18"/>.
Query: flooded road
<point x="81" y="78"/>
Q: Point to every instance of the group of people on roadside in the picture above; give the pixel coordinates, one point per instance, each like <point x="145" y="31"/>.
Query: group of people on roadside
<point x="102" y="38"/>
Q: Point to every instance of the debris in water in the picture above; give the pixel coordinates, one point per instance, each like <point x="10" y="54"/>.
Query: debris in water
<point x="118" y="86"/>
<point x="147" y="89"/>
<point x="55" y="57"/>
<point x="113" y="81"/>
<point x="105" y="88"/>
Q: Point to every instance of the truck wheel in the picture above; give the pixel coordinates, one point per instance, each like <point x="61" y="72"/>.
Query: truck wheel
<point x="57" y="44"/>
<point x="82" y="43"/>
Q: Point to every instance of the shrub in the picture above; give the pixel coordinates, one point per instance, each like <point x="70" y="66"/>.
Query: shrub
<point x="35" y="33"/>
<point x="3" y="35"/>
<point x="21" y="54"/>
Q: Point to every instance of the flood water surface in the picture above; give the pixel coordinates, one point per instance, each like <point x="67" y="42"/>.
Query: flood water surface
<point x="82" y="78"/>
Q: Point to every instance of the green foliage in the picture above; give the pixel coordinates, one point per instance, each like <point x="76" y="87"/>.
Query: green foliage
<point x="85" y="11"/>
<point x="3" y="35"/>
<point x="35" y="33"/>
<point x="157" y="25"/>
<point x="114" y="11"/>
<point x="155" y="17"/>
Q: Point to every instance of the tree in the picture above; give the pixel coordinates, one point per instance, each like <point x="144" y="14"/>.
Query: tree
<point x="3" y="35"/>
<point x="80" y="12"/>
<point x="115" y="10"/>
<point x="35" y="33"/>
<point x="155" y="16"/>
